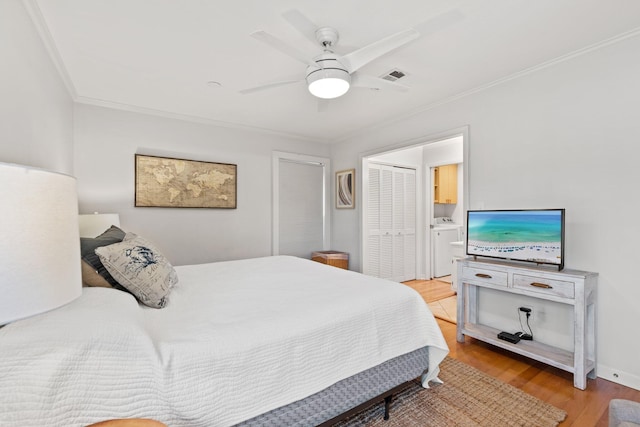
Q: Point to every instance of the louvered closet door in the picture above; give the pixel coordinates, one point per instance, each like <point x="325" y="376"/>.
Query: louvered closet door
<point x="398" y="224"/>
<point x="391" y="223"/>
<point x="410" y="226"/>
<point x="380" y="223"/>
<point x="372" y="266"/>
<point x="386" y="223"/>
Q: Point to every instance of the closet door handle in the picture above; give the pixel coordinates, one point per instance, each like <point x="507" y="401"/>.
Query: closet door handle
<point x="483" y="276"/>
<point x="541" y="285"/>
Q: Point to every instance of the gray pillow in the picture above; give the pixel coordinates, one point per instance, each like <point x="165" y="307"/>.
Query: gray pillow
<point x="88" y="247"/>
<point x="140" y="268"/>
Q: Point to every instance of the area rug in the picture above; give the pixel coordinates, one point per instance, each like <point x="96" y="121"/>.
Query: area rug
<point x="468" y="397"/>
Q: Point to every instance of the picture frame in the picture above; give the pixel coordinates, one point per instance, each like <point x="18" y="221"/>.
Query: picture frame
<point x="346" y="189"/>
<point x="180" y="183"/>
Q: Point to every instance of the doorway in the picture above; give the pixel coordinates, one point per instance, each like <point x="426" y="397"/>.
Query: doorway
<point x="300" y="202"/>
<point x="424" y="153"/>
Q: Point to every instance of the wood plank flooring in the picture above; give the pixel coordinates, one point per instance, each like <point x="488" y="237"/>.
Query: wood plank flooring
<point x="431" y="290"/>
<point x="585" y="408"/>
<point x="438" y="294"/>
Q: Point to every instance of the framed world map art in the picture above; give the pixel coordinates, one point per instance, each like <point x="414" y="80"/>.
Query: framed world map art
<point x="179" y="183"/>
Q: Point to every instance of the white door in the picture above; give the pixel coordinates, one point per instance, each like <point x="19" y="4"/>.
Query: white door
<point x="391" y="241"/>
<point x="300" y="208"/>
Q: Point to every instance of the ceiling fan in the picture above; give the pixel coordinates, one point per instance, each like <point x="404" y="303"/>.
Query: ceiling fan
<point x="329" y="75"/>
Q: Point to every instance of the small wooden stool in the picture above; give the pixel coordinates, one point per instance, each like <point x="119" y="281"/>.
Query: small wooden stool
<point x="334" y="258"/>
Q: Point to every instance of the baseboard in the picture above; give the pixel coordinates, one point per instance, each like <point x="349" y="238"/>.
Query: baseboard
<point x="618" y="376"/>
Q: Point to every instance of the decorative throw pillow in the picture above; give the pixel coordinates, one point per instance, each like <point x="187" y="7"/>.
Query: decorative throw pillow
<point x="91" y="278"/>
<point x="94" y="266"/>
<point x="139" y="267"/>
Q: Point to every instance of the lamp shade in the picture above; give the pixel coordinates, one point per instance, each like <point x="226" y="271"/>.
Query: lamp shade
<point x="93" y="225"/>
<point x="328" y="83"/>
<point x="40" y="244"/>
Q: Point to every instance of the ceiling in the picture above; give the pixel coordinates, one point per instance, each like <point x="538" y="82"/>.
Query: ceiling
<point x="157" y="56"/>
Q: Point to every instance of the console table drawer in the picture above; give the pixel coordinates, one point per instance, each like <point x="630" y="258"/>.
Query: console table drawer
<point x="541" y="285"/>
<point x="485" y="275"/>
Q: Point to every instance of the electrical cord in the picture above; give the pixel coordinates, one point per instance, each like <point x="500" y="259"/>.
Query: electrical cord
<point x="523" y="335"/>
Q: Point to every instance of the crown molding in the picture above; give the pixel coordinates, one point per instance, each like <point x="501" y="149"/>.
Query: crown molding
<point x="39" y="22"/>
<point x="47" y="39"/>
<point x="194" y="119"/>
<point x="560" y="59"/>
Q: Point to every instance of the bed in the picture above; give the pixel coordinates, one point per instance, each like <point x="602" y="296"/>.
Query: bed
<point x="278" y="340"/>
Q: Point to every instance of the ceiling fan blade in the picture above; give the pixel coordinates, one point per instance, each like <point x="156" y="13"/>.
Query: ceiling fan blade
<point x="301" y="23"/>
<point x="283" y="47"/>
<point x="371" y="82"/>
<point x="439" y="22"/>
<point x="268" y="86"/>
<point x="308" y="28"/>
<point x="354" y="60"/>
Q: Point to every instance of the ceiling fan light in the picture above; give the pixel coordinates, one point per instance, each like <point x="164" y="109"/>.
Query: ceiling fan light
<point x="329" y="83"/>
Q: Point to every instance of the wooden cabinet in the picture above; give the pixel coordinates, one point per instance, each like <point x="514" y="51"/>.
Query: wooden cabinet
<point x="334" y="258"/>
<point x="572" y="287"/>
<point x="445" y="184"/>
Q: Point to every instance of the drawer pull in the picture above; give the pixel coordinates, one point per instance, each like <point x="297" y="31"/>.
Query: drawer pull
<point x="541" y="285"/>
<point x="483" y="276"/>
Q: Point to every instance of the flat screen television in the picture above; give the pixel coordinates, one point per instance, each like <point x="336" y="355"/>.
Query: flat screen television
<point x="533" y="235"/>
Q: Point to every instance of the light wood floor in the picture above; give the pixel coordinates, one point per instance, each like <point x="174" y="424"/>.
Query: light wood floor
<point x="585" y="408"/>
<point x="431" y="290"/>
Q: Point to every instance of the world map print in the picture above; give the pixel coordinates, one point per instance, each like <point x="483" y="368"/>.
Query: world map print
<point x="167" y="182"/>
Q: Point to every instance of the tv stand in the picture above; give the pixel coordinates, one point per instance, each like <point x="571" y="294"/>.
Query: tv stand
<point x="571" y="287"/>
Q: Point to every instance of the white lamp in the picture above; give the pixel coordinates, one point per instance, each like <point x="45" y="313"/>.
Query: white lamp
<point x="39" y="244"/>
<point x="95" y="224"/>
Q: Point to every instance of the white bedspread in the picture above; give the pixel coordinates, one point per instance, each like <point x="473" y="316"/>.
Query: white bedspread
<point x="237" y="339"/>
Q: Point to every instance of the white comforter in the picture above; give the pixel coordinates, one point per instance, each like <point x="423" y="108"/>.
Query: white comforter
<point x="237" y="339"/>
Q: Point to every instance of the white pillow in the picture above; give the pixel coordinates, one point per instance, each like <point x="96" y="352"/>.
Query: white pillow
<point x="138" y="266"/>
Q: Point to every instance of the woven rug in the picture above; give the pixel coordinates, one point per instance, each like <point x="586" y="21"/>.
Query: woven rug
<point x="468" y="397"/>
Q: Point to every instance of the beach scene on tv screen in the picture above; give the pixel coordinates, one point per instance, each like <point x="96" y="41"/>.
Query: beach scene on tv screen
<point x="523" y="235"/>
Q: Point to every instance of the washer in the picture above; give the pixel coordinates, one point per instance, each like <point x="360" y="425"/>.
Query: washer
<point x="445" y="231"/>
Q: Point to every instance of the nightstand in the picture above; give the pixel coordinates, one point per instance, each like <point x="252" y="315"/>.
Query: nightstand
<point x="334" y="258"/>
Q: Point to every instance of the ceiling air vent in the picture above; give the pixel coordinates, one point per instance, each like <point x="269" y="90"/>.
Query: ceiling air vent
<point x="393" y="75"/>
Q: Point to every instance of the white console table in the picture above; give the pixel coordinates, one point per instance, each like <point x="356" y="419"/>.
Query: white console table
<point x="572" y="287"/>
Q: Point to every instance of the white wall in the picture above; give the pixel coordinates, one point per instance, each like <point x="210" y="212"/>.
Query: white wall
<point x="106" y="141"/>
<point x="36" y="111"/>
<point x="564" y="136"/>
<point x="409" y="157"/>
<point x="444" y="152"/>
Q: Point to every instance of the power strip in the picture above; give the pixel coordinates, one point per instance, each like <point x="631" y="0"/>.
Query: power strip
<point x="509" y="337"/>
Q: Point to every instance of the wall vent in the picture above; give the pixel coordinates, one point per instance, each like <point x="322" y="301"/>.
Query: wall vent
<point x="393" y="75"/>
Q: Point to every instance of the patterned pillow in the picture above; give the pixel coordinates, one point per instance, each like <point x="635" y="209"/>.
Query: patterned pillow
<point x="140" y="268"/>
<point x="94" y="268"/>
